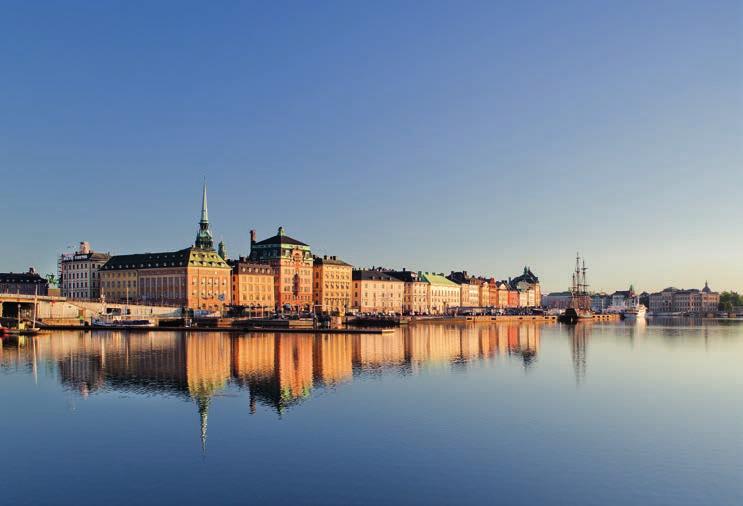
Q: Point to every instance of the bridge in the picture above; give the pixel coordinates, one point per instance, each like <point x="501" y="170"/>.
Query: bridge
<point x="64" y="311"/>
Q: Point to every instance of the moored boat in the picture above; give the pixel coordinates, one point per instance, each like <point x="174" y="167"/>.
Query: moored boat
<point x="634" y="312"/>
<point x="580" y="300"/>
<point x="121" y="321"/>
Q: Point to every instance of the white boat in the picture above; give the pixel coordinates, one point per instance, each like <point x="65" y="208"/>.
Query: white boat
<point x="110" y="320"/>
<point x="634" y="312"/>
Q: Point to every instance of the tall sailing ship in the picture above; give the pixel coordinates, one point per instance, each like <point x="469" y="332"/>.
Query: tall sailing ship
<point x="580" y="300"/>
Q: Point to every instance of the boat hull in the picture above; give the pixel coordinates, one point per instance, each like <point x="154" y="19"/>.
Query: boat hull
<point x="571" y="316"/>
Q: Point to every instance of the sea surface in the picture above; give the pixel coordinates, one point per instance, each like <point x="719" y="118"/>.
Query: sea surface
<point x="600" y="414"/>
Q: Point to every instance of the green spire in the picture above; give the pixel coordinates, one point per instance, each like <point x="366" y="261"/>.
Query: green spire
<point x="204" y="235"/>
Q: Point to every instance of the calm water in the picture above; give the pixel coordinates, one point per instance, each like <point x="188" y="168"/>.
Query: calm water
<point x="442" y="414"/>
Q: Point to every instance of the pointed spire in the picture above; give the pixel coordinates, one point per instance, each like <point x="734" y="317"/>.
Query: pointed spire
<point x="204" y="235"/>
<point x="204" y="209"/>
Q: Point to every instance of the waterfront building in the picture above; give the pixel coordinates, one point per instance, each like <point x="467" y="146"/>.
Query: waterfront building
<point x="332" y="284"/>
<point x="443" y="294"/>
<point x="79" y="273"/>
<point x="469" y="288"/>
<point x="601" y="302"/>
<point x="415" y="292"/>
<point x="513" y="298"/>
<point x="23" y="283"/>
<point x="483" y="292"/>
<point x="503" y="297"/>
<point x="376" y="291"/>
<point x="493" y="293"/>
<point x="195" y="277"/>
<point x="673" y="300"/>
<point x="292" y="263"/>
<point x="620" y="297"/>
<point x="527" y="285"/>
<point x="252" y="285"/>
<point x="557" y="300"/>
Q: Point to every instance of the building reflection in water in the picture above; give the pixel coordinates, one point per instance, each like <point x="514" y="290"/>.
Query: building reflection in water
<point x="277" y="369"/>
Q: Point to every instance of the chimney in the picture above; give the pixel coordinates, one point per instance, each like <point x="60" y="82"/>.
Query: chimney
<point x="252" y="237"/>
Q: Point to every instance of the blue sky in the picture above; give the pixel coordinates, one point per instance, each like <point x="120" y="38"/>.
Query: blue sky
<point x="433" y="135"/>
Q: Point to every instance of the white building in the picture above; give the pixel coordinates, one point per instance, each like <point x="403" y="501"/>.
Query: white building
<point x="78" y="273"/>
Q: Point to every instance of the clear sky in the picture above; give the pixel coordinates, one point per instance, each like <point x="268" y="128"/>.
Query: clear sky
<point x="433" y="135"/>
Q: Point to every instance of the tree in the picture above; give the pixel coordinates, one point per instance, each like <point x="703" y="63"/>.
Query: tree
<point x="729" y="300"/>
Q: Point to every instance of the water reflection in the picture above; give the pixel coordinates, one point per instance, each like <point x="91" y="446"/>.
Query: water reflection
<point x="278" y="369"/>
<point x="629" y="406"/>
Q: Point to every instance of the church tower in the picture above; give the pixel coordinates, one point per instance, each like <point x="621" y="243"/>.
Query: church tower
<point x="204" y="236"/>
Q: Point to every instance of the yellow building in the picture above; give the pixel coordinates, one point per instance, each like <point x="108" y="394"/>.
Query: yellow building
<point x="443" y="294"/>
<point x="252" y="285"/>
<point x="415" y="294"/>
<point x="331" y="279"/>
<point x="375" y="291"/>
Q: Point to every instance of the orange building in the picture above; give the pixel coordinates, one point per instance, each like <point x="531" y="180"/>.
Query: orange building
<point x="292" y="264"/>
<point x="332" y="284"/>
<point x="252" y="285"/>
<point x="195" y="277"/>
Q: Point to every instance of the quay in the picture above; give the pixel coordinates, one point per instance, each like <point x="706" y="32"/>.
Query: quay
<point x="484" y="319"/>
<point x="233" y="330"/>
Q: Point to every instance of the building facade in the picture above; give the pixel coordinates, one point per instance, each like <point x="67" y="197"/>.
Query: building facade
<point x="415" y="292"/>
<point x="23" y="283"/>
<point x="557" y="300"/>
<point x="483" y="292"/>
<point x="292" y="263"/>
<point x="503" y="296"/>
<point x="469" y="288"/>
<point x="195" y="277"/>
<point x="443" y="294"/>
<point x="331" y="292"/>
<point x="527" y="285"/>
<point x="79" y="273"/>
<point x="694" y="301"/>
<point x="376" y="291"/>
<point x="252" y="285"/>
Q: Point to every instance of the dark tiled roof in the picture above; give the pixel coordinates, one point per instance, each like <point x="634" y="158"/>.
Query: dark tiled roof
<point x="326" y="260"/>
<point x="527" y="276"/>
<point x="190" y="256"/>
<point x="21" y="277"/>
<point x="372" y="275"/>
<point x="243" y="265"/>
<point x="406" y="276"/>
<point x="148" y="260"/>
<point x="280" y="239"/>
<point x="90" y="257"/>
<point x="462" y="278"/>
